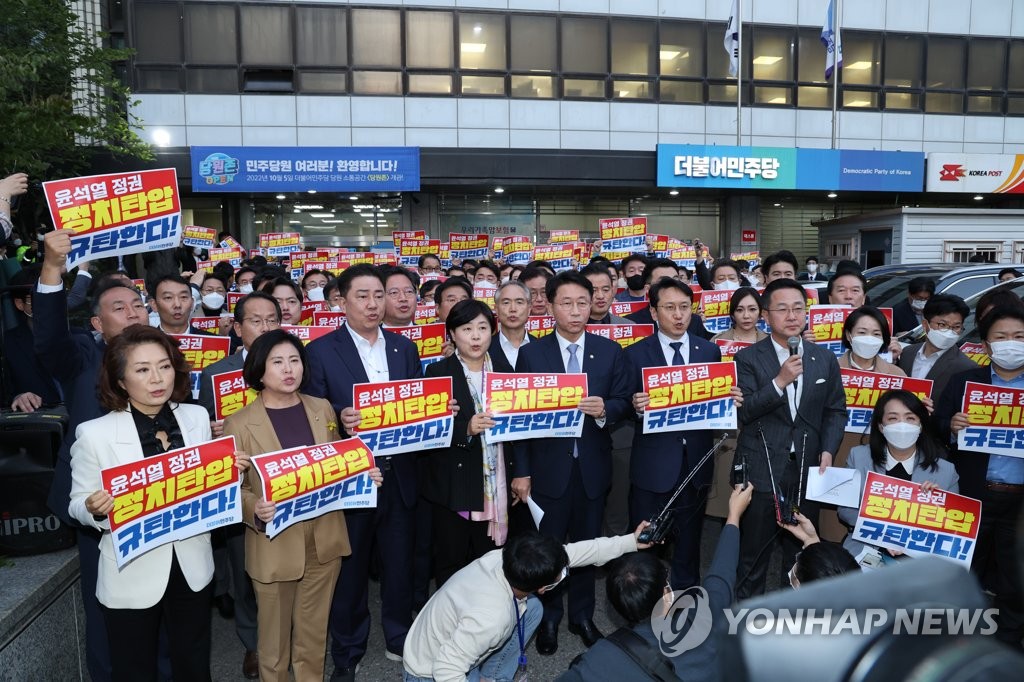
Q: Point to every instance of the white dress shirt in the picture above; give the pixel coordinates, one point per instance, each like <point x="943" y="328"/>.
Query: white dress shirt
<point x="670" y="352"/>
<point x="512" y="351"/>
<point x="563" y="346"/>
<point x="782" y="352"/>
<point x="908" y="463"/>
<point x="373" y="355"/>
<point x="924" y="363"/>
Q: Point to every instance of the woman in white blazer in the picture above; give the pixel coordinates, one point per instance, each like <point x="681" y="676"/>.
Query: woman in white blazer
<point x="141" y="381"/>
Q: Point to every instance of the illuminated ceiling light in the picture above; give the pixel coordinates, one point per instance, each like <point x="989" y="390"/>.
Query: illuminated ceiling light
<point x="321" y="215"/>
<point x="477" y="29"/>
<point x="766" y="60"/>
<point x="859" y="103"/>
<point x="674" y="192"/>
<point x="832" y="195"/>
<point x="308" y="207"/>
<point x="978" y="197"/>
<point x="310" y="191"/>
<point x="666" y="55"/>
<point x="623" y="93"/>
<point x="777" y="100"/>
<point x="294" y="222"/>
<point x="295" y="210"/>
<point x="859" y="66"/>
<point x="279" y="197"/>
<point x="477" y="48"/>
<point x="161" y="137"/>
<point x="499" y="190"/>
<point x="257" y="222"/>
<point x="777" y="205"/>
<point x="353" y="198"/>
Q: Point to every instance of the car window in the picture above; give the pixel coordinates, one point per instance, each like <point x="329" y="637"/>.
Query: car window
<point x="968" y="286"/>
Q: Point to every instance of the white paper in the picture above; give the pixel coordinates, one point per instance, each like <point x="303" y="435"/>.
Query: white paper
<point x="535" y="511"/>
<point x="838" y="486"/>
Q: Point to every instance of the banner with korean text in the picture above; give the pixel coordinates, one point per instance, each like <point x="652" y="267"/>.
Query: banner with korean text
<point x="429" y="340"/>
<point x="562" y="236"/>
<point x="864" y="388"/>
<point x="622" y="236"/>
<point x="623" y="334"/>
<point x="201" y="351"/>
<point x="540" y="325"/>
<point x="996" y="416"/>
<point x="689" y="397"/>
<point x="626" y="308"/>
<point x="280" y="244"/>
<point x="462" y="246"/>
<point x="173" y="496"/>
<point x="517" y="250"/>
<point x="976" y="352"/>
<point x="714" y="307"/>
<point x="410" y="250"/>
<point x="116" y="214"/>
<point x="230" y="254"/>
<point x="208" y="324"/>
<point x="528" y="405"/>
<point x="426" y="313"/>
<point x="230" y="393"/>
<point x="411" y="415"/>
<point x="897" y="514"/>
<point x="307" y="333"/>
<point x="310" y="481"/>
<point x="730" y="348"/>
<point x="561" y="257"/>
<point x="199" y="237"/>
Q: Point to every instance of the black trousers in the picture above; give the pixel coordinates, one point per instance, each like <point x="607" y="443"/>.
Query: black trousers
<point x="997" y="560"/>
<point x="759" y="534"/>
<point x="686" y="533"/>
<point x="134" y="634"/>
<point x="457" y="542"/>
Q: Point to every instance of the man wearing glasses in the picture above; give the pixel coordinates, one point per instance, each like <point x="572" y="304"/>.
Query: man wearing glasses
<point x="400" y="292"/>
<point x="937" y="357"/>
<point x="792" y="417"/>
<point x="569" y="477"/>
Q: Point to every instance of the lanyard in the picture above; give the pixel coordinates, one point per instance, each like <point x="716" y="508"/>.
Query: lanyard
<point x="521" y="630"/>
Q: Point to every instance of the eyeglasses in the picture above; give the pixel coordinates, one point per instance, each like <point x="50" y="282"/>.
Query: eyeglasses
<point x="672" y="309"/>
<point x="561" y="576"/>
<point x="943" y="326"/>
<point x="429" y="268"/>
<point x="573" y="305"/>
<point x="262" y="322"/>
<point x="398" y="293"/>
<point x="794" y="311"/>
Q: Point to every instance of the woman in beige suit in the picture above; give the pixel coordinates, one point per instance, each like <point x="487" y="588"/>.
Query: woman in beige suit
<point x="294" y="574"/>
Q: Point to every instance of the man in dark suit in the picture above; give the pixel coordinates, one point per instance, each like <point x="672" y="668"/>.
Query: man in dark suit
<point x="255" y="314"/>
<point x="793" y="413"/>
<point x="660" y="461"/>
<point x="906" y="315"/>
<point x="74" y="359"/>
<point x="568" y="478"/>
<point x="655" y="271"/>
<point x="996" y="480"/>
<point x="937" y="357"/>
<point x="813" y="273"/>
<point x="359" y="352"/>
<point x="29" y="385"/>
<point x="172" y="300"/>
<point x="512" y="307"/>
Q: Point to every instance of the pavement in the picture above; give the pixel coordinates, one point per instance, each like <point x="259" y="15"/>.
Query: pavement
<point x="228" y="652"/>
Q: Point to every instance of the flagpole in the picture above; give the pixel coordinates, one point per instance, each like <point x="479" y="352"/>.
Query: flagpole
<point x="838" y="7"/>
<point x="739" y="77"/>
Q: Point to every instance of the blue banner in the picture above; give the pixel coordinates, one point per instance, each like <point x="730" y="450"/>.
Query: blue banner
<point x="298" y="169"/>
<point x="681" y="165"/>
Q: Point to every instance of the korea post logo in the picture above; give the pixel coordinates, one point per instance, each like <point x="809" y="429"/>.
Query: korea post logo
<point x="682" y="621"/>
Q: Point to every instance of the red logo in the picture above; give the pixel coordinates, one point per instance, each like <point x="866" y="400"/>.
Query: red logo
<point x="951" y="172"/>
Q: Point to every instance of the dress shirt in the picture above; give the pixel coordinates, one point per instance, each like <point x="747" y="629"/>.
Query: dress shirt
<point x="563" y="346"/>
<point x="923" y="364"/>
<point x="373" y="355"/>
<point x="1001" y="468"/>
<point x="782" y="352"/>
<point x="511" y="351"/>
<point x="908" y="464"/>
<point x="670" y="352"/>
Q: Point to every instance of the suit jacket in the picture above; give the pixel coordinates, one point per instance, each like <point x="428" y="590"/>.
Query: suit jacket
<point x="284" y="557"/>
<point x="696" y="328"/>
<point x="25" y="372"/>
<point x="821" y="414"/>
<point x="860" y="459"/>
<point x="659" y="459"/>
<point x="903" y="317"/>
<point x="455" y="475"/>
<point x="549" y="461"/>
<point x="807" y="277"/>
<point x="73" y="359"/>
<point x="952" y="362"/>
<point x="971" y="466"/>
<point x="109" y="441"/>
<point x="227" y="364"/>
<point x="335" y="366"/>
<point x="499" y="361"/>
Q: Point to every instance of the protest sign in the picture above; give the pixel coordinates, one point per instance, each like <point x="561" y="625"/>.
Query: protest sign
<point x="199" y="237"/>
<point x="976" y="352"/>
<point x="230" y="393"/>
<point x="689" y="397"/>
<point x="897" y="514"/>
<point x="714" y="306"/>
<point x="172" y="496"/>
<point x="426" y="313"/>
<point x="540" y="325"/>
<point x="996" y="416"/>
<point x="279" y="244"/>
<point x="310" y="481"/>
<point x="623" y="334"/>
<point x="462" y="246"/>
<point x="561" y="257"/>
<point x="625" y="308"/>
<point x="517" y="250"/>
<point x="863" y="389"/>
<point x="622" y="236"/>
<point x="307" y="333"/>
<point x="753" y="258"/>
<point x="410" y="415"/>
<point x="528" y="405"/>
<point x="208" y="324"/>
<point x="429" y="340"/>
<point x="328" y="319"/>
<point x="730" y="348"/>
<point x="117" y="213"/>
<point x="201" y="351"/>
<point x="230" y="254"/>
<point x="563" y="236"/>
<point x="410" y="250"/>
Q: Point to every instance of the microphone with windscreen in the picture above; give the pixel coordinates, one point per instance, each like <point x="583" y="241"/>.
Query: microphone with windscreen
<point x="794" y="348"/>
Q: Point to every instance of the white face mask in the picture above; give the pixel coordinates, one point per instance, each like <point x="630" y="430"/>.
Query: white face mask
<point x="335" y="308"/>
<point x="727" y="285"/>
<point x="213" y="301"/>
<point x="901" y="435"/>
<point x="812" y="268"/>
<point x="942" y="338"/>
<point x="621" y="283"/>
<point x="245" y="289"/>
<point x="1008" y="354"/>
<point x="197" y="251"/>
<point x="315" y="294"/>
<point x="866" y="347"/>
<point x="918" y="305"/>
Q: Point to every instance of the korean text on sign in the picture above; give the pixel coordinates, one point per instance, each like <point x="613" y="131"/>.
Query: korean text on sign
<point x="230" y="393"/>
<point x="689" y="397"/>
<point x="463" y="246"/>
<point x="996" y="420"/>
<point x="727" y="167"/>
<point x="199" y="237"/>
<point x="623" y="235"/>
<point x="897" y="514"/>
<point x="404" y="416"/>
<point x="310" y="481"/>
<point x="201" y="351"/>
<point x="534" y="405"/>
<point x="117" y="214"/>
<point x="731" y="348"/>
<point x="540" y="325"/>
<point x="863" y="389"/>
<point x="173" y="496"/>
<point x="714" y="306"/>
<point x="410" y="250"/>
<point x="277" y="244"/>
<point x="429" y="340"/>
<point x="623" y="334"/>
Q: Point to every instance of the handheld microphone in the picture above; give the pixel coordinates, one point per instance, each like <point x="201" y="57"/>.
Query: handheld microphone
<point x="794" y="348"/>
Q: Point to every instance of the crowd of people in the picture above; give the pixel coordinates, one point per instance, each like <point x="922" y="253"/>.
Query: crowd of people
<point x="466" y="579"/>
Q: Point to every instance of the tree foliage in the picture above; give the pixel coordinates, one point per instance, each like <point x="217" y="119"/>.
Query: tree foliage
<point x="60" y="97"/>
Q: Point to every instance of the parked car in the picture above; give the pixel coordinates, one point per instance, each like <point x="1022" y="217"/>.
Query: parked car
<point x="970" y="333"/>
<point x="887" y="284"/>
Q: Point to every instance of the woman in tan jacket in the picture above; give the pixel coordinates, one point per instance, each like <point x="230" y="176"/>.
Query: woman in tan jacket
<point x="294" y="574"/>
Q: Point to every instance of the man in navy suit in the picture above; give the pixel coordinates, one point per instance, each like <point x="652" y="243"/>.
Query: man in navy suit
<point x="569" y="477"/>
<point x="660" y="461"/>
<point x="359" y="352"/>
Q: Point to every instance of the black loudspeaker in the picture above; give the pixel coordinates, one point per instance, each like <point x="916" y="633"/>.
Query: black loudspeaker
<point x="28" y="452"/>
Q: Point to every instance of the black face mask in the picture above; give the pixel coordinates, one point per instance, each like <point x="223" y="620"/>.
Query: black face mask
<point x="635" y="282"/>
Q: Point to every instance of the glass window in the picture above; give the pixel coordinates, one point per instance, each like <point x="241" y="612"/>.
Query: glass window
<point x="157" y="33"/>
<point x="717" y="58"/>
<point x="429" y="40"/>
<point x="1015" y="69"/>
<point x="430" y="84"/>
<point x="533" y="86"/>
<point x="622" y="89"/>
<point x="862" y="58"/>
<point x="773" y="53"/>
<point x="811" y="51"/>
<point x="376" y="38"/>
<point x="323" y="81"/>
<point x="681" y="52"/>
<point x="985" y="104"/>
<point x="321" y="36"/>
<point x="483" y="85"/>
<point x="944" y="103"/>
<point x="725" y="94"/>
<point x="377" y="82"/>
<point x="945" y="63"/>
<point x="905" y="101"/>
<point x="904" y="61"/>
<point x="633" y="44"/>
<point x="814" y="97"/>
<point x="985" y="61"/>
<point x="534" y="43"/>
<point x="1015" y="106"/>
<point x="684" y="92"/>
<point x="777" y="96"/>
<point x="266" y="34"/>
<point x="584" y="45"/>
<point x="159" y="80"/>
<point x="482" y="42"/>
<point x="211" y="80"/>
<point x="211" y="34"/>
<point x="856" y="99"/>
<point x="583" y="87"/>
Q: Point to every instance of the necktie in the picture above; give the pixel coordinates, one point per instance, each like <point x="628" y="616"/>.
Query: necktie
<point x="574" y="368"/>
<point x="677" y="356"/>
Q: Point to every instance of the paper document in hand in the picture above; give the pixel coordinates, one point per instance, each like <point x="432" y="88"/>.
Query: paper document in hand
<point x="535" y="511"/>
<point x="837" y="486"/>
